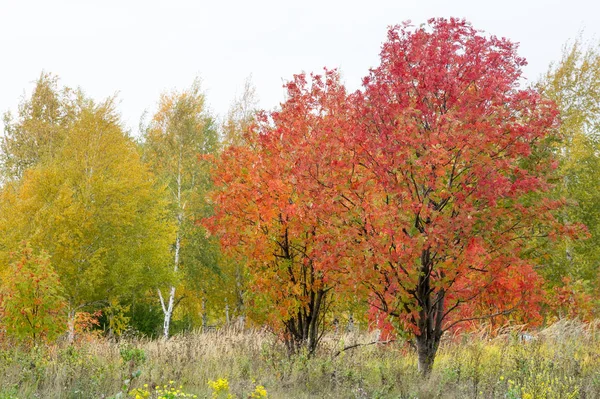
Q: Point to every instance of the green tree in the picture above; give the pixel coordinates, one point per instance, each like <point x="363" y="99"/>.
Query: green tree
<point x="181" y="131"/>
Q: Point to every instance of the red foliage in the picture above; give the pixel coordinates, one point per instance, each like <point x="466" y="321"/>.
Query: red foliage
<point x="423" y="189"/>
<point x="271" y="208"/>
<point x="85" y="324"/>
<point x="571" y="300"/>
<point x="444" y="197"/>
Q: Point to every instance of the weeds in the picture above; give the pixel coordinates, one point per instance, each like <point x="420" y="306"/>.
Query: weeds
<point x="558" y="362"/>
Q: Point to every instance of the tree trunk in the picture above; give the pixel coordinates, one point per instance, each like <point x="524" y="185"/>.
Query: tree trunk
<point x="168" y="308"/>
<point x="239" y="293"/>
<point x="431" y="315"/>
<point x="204" y="315"/>
<point x="71" y="326"/>
<point x="303" y="331"/>
<point x="169" y="313"/>
<point x="313" y="330"/>
<point x="426" y="350"/>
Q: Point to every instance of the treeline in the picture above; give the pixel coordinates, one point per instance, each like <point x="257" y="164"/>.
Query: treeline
<point x="111" y="218"/>
<point x="442" y="195"/>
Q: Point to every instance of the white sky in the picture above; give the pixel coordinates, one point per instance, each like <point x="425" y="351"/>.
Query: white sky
<point x="140" y="48"/>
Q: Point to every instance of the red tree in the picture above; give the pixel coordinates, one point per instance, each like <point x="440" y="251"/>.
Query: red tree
<point x="425" y="188"/>
<point x="442" y="199"/>
<point x="272" y="209"/>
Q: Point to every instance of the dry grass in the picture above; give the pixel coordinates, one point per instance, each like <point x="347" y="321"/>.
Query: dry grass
<point x="561" y="361"/>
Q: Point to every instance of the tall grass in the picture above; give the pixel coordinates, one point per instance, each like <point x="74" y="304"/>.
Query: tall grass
<point x="561" y="361"/>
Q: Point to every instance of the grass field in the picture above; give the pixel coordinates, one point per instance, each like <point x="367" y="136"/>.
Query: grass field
<point x="561" y="361"/>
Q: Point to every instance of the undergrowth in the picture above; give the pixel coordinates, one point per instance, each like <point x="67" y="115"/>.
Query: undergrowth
<point x="561" y="361"/>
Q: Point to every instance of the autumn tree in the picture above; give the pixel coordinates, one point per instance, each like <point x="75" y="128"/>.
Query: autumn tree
<point x="32" y="300"/>
<point x="270" y="208"/>
<point x="240" y="116"/>
<point x="94" y="208"/>
<point x="39" y="129"/>
<point x="181" y="131"/>
<point x="574" y="84"/>
<point x="237" y="125"/>
<point x="440" y="196"/>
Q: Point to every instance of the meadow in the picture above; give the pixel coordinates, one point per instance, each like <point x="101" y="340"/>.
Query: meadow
<point x="444" y="192"/>
<point x="561" y="361"/>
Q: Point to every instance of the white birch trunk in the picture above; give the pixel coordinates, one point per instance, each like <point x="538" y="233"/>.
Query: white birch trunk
<point x="168" y="308"/>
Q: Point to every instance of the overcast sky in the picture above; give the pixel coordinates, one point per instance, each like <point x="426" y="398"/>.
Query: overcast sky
<point x="141" y="48"/>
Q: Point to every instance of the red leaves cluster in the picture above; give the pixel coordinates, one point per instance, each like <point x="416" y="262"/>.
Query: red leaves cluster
<point x="424" y="188"/>
<point x="270" y="204"/>
<point x="572" y="301"/>
<point x="451" y="139"/>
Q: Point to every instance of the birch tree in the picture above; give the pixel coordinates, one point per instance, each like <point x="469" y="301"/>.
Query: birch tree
<point x="179" y="133"/>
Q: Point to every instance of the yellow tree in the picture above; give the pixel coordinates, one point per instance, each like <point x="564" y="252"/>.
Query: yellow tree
<point x="40" y="127"/>
<point x="574" y="84"/>
<point x="179" y="133"/>
<point x="94" y="208"/>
